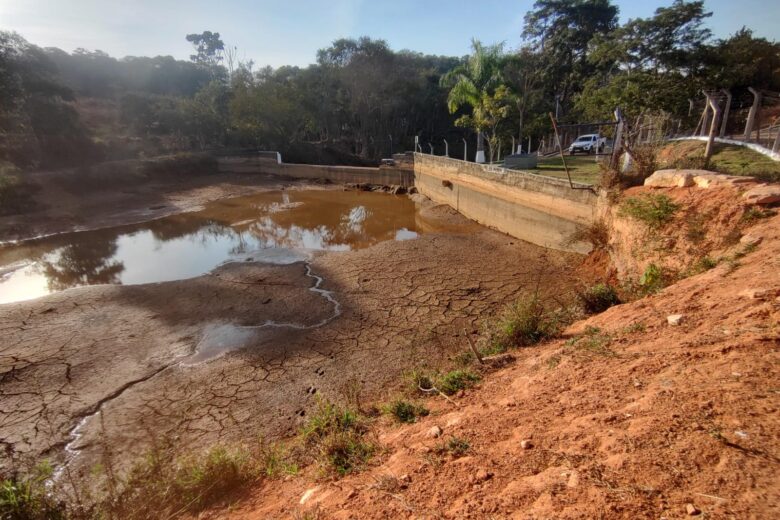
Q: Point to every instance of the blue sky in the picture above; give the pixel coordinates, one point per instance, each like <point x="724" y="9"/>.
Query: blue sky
<point x="279" y="32"/>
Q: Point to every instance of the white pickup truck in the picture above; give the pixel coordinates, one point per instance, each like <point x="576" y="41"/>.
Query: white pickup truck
<point x="588" y="143"/>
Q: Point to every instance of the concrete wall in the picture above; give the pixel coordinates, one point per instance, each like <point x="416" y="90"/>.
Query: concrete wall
<point x="540" y="210"/>
<point x="343" y="174"/>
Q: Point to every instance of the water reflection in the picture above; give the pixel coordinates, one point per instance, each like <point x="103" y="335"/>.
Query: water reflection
<point x="276" y="227"/>
<point x="82" y="263"/>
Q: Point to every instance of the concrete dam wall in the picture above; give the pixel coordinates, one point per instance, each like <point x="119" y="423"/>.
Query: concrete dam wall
<point x="343" y="174"/>
<point x="541" y="210"/>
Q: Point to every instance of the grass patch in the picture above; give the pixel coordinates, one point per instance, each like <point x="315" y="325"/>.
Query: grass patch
<point x="336" y="436"/>
<point x="405" y="411"/>
<point x="454" y="446"/>
<point x="753" y="214"/>
<point x="448" y="383"/>
<point x="27" y="497"/>
<point x="582" y="168"/>
<point x="457" y="380"/>
<point x="726" y="158"/>
<point x="162" y="485"/>
<point x="598" y="298"/>
<point x="701" y="265"/>
<point x="593" y="341"/>
<point x="652" y="209"/>
<point x="526" y="322"/>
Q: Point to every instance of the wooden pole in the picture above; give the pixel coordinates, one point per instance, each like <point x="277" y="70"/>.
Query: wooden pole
<point x="563" y="159"/>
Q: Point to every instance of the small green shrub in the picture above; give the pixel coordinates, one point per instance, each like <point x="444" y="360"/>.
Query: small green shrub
<point x="452" y="382"/>
<point x="701" y="265"/>
<point x="596" y="234"/>
<point x="406" y="411"/>
<point x="527" y="322"/>
<point x="653" y="279"/>
<point x="336" y="434"/>
<point x="653" y="210"/>
<point x="754" y="213"/>
<point x="455" y="446"/>
<point x="27" y="497"/>
<point x="598" y="298"/>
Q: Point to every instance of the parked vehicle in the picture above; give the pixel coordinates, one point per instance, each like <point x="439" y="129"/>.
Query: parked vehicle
<point x="588" y="143"/>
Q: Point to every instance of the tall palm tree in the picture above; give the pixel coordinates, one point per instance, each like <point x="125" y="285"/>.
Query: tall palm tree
<point x="472" y="83"/>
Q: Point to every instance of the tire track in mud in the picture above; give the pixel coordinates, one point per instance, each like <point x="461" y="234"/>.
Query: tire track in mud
<point x="76" y="433"/>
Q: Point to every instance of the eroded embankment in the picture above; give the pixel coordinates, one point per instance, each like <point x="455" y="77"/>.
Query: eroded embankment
<point x="626" y="416"/>
<point x="118" y="348"/>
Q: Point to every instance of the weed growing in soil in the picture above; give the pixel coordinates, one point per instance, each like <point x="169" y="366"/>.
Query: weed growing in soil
<point x="527" y="322"/>
<point x="653" y="210"/>
<point x="754" y="213"/>
<point x="596" y="234"/>
<point x="406" y="411"/>
<point x="701" y="265"/>
<point x="337" y="436"/>
<point x="598" y="298"/>
<point x="455" y="446"/>
<point x="592" y="341"/>
<point x="27" y="497"/>
<point x="447" y="383"/>
<point x="456" y="380"/>
<point x="653" y="279"/>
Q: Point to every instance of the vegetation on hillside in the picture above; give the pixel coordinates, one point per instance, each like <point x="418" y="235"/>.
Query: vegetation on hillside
<point x="361" y="100"/>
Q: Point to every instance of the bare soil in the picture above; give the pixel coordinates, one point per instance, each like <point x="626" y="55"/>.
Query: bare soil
<point x="626" y="416"/>
<point x="100" y="373"/>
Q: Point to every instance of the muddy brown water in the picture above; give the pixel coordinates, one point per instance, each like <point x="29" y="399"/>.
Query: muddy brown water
<point x="278" y="227"/>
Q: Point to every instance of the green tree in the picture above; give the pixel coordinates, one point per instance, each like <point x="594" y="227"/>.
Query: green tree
<point x="473" y="84"/>
<point x="209" y="48"/>
<point x="561" y="32"/>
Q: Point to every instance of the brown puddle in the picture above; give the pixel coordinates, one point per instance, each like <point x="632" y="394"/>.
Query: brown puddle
<point x="279" y="227"/>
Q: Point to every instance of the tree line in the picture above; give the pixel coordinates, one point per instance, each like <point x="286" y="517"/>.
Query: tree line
<point x="362" y="100"/>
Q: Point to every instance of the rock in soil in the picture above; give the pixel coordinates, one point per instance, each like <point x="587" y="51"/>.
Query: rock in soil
<point x="692" y="510"/>
<point x="674" y="319"/>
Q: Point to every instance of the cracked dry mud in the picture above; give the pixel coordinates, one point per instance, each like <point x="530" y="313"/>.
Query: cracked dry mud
<point x="119" y="350"/>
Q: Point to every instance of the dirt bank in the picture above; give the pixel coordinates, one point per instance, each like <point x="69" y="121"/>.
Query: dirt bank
<point x="626" y="416"/>
<point x="124" y="351"/>
<point x="69" y="200"/>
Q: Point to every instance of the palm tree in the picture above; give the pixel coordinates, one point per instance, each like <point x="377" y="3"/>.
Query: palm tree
<point x="473" y="83"/>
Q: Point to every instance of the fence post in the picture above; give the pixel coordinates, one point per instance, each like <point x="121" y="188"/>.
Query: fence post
<point x="431" y="147"/>
<point x="465" y="150"/>
<point x="713" y="128"/>
<point x="446" y="148"/>
<point x="616" y="146"/>
<point x="753" y="113"/>
<point x="705" y="122"/>
<point x="726" y="109"/>
<point x="776" y="145"/>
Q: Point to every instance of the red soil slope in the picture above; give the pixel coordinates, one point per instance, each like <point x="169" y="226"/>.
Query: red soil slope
<point x="641" y="420"/>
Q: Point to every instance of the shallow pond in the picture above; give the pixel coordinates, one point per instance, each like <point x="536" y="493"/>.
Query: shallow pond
<point x="275" y="227"/>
